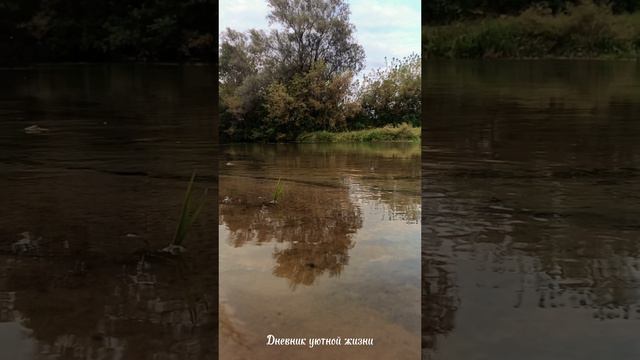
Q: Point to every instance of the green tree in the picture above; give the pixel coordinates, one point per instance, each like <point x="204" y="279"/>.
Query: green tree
<point x="309" y="102"/>
<point x="295" y="78"/>
<point x="312" y="31"/>
<point x="392" y="95"/>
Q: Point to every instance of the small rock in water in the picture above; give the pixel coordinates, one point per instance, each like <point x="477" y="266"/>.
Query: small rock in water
<point x="35" y="129"/>
<point x="25" y="244"/>
<point x="229" y="164"/>
<point x="174" y="249"/>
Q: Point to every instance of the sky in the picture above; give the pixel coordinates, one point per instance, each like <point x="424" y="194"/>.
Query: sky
<point x="385" y="28"/>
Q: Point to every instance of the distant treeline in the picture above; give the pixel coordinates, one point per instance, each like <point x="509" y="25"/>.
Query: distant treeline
<point x="107" y="30"/>
<point x="301" y="76"/>
<point x="544" y="30"/>
<point x="438" y="12"/>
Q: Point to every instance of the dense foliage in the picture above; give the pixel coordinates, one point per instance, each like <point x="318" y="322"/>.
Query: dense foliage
<point x="300" y="77"/>
<point x="403" y="132"/>
<point x="584" y="30"/>
<point x="439" y="12"/>
<point x="392" y="95"/>
<point x="106" y="30"/>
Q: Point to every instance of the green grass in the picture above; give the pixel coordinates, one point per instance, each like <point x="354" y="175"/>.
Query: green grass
<point x="188" y="215"/>
<point x="582" y="31"/>
<point x="278" y="192"/>
<point x="403" y="132"/>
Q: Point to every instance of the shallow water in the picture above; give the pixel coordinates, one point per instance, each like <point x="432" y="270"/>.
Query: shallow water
<point x="337" y="255"/>
<point x="531" y="228"/>
<point x="100" y="187"/>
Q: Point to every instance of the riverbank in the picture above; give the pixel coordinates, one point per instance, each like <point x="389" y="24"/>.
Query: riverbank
<point x="400" y="133"/>
<point x="583" y="31"/>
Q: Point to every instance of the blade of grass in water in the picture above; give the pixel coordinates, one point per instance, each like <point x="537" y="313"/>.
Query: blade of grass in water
<point x="186" y="219"/>
<point x="278" y="191"/>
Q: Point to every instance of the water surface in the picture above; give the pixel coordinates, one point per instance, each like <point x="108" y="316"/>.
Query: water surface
<point x="337" y="255"/>
<point x="531" y="229"/>
<point x="85" y="200"/>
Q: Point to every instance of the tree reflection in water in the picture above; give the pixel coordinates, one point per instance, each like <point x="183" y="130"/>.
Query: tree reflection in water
<point x="530" y="202"/>
<point x="140" y="310"/>
<point x="315" y="225"/>
<point x="439" y="303"/>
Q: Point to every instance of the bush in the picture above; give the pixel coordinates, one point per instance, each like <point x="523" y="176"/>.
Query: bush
<point x="392" y="95"/>
<point x="402" y="132"/>
<point x="585" y="30"/>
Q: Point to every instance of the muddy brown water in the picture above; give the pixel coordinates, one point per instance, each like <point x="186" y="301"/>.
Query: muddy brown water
<point x="100" y="187"/>
<point x="531" y="219"/>
<point x="338" y="255"/>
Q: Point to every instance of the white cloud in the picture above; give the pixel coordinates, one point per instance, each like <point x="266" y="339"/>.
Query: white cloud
<point x="384" y="28"/>
<point x="242" y="15"/>
<point x="387" y="29"/>
<point x="371" y="15"/>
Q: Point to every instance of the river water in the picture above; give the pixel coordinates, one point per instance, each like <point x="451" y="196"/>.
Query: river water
<point x="531" y="210"/>
<point x="530" y="248"/>
<point x="89" y="200"/>
<point x="336" y="255"/>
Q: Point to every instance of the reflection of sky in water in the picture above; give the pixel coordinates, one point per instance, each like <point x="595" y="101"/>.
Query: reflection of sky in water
<point x="116" y="161"/>
<point x="386" y="250"/>
<point x="531" y="240"/>
<point x="16" y="340"/>
<point x="511" y="309"/>
<point x="375" y="293"/>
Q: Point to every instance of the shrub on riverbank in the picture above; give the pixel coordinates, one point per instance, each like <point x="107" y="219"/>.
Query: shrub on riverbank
<point x="585" y="30"/>
<point x="402" y="132"/>
<point x="392" y="94"/>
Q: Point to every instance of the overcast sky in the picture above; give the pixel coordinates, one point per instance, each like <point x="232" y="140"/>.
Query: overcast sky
<point x="383" y="27"/>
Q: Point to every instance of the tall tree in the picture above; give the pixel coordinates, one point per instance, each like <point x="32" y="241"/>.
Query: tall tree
<point x="314" y="30"/>
<point x="294" y="78"/>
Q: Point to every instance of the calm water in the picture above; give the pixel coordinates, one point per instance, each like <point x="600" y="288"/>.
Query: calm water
<point x="338" y="255"/>
<point x="531" y="228"/>
<point x="92" y="195"/>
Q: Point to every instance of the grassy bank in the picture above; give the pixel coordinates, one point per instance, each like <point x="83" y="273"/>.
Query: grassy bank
<point x="403" y="132"/>
<point x="581" y="31"/>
